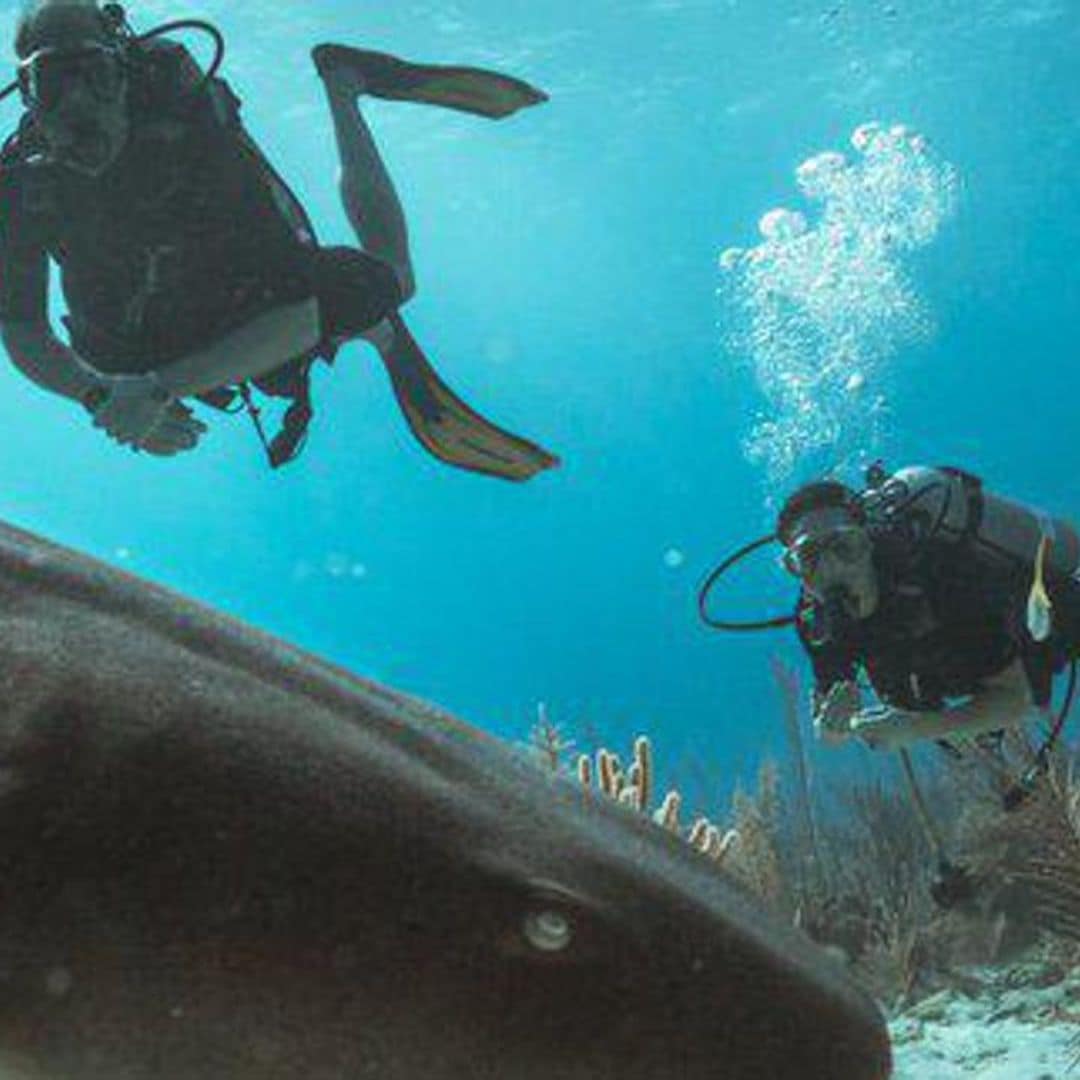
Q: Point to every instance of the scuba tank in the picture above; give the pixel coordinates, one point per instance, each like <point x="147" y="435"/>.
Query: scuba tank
<point x="950" y="505"/>
<point x="913" y="506"/>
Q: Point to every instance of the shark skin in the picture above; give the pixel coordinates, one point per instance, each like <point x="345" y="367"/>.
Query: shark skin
<point x="222" y="858"/>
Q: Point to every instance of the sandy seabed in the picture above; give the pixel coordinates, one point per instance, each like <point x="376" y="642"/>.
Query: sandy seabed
<point x="1014" y="1023"/>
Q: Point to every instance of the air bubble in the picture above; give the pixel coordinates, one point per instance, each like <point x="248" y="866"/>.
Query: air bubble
<point x="818" y="175"/>
<point x="730" y="258"/>
<point x="674" y="558"/>
<point x="862" y="138"/>
<point x="820" y="306"/>
<point x="779" y="225"/>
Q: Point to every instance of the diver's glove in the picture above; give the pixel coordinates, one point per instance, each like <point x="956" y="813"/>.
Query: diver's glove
<point x="884" y="728"/>
<point x="833" y="713"/>
<point x="131" y="406"/>
<point x="178" y="431"/>
<point x="137" y="411"/>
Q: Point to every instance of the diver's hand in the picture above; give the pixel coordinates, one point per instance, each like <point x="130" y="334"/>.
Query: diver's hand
<point x="130" y="407"/>
<point x="884" y="728"/>
<point x="178" y="431"/>
<point x="834" y="713"/>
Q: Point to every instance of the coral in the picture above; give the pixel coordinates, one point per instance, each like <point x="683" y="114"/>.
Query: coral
<point x="807" y="849"/>
<point x="547" y="742"/>
<point x="858" y="879"/>
<point x="758" y="862"/>
<point x="633" y="788"/>
<point x="1043" y="859"/>
<point x="1028" y="859"/>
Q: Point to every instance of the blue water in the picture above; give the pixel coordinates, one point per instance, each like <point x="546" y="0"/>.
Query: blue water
<point x="567" y="264"/>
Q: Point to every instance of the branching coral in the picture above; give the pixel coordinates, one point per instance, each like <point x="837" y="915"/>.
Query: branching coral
<point x="547" y="741"/>
<point x="1045" y="854"/>
<point x="1028" y="859"/>
<point x="858" y="878"/>
<point x="633" y="788"/>
<point x="759" y="863"/>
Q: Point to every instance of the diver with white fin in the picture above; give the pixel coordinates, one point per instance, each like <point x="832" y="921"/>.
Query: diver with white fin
<point x="189" y="267"/>
<point x="960" y="607"/>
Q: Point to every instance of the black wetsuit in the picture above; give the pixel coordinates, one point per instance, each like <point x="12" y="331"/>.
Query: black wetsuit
<point x="947" y="621"/>
<point x="187" y="236"/>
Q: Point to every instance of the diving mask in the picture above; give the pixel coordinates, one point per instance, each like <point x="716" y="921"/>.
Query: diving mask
<point x="848" y="544"/>
<point x="47" y="76"/>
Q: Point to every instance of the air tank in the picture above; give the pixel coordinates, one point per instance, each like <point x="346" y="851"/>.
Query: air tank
<point x="952" y="506"/>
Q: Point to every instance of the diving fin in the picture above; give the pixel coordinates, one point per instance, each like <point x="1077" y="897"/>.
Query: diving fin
<point x="468" y="89"/>
<point x="447" y="427"/>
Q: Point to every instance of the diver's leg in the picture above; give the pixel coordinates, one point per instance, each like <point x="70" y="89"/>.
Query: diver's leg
<point x="367" y="193"/>
<point x="443" y="423"/>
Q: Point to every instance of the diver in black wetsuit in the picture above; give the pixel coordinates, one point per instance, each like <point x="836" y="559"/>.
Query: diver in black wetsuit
<point x="959" y="605"/>
<point x="189" y="268"/>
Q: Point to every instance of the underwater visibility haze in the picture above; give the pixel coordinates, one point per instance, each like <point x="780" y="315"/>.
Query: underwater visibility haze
<point x="568" y="276"/>
<point x="741" y="246"/>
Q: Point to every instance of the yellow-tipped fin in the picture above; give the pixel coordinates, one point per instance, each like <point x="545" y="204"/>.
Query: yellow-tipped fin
<point x="467" y="89"/>
<point x="448" y="428"/>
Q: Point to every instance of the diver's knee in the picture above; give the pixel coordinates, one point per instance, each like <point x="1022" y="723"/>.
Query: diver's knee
<point x="406" y="280"/>
<point x="381" y="335"/>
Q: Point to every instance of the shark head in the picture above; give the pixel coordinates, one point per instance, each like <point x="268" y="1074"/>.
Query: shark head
<point x="224" y="858"/>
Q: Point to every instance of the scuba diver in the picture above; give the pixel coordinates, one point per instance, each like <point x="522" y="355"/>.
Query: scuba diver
<point x="189" y="268"/>
<point x="960" y="605"/>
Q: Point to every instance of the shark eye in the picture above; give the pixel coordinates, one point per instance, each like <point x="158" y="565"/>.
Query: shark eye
<point x="548" y="930"/>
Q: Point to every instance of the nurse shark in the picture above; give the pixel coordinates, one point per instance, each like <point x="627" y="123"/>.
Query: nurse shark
<point x="222" y="858"/>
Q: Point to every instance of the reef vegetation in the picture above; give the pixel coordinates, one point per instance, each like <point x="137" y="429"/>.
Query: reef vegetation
<point x="847" y="858"/>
